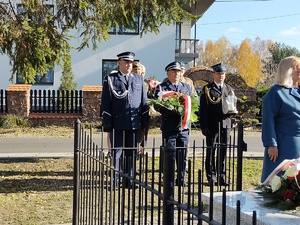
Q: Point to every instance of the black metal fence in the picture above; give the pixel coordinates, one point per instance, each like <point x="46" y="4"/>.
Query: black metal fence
<point x="59" y="101"/>
<point x="3" y="102"/>
<point x="153" y="198"/>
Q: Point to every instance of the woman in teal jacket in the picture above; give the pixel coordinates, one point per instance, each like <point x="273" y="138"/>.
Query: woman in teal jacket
<point x="281" y="117"/>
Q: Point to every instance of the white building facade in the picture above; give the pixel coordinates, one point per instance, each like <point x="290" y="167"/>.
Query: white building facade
<point x="153" y="51"/>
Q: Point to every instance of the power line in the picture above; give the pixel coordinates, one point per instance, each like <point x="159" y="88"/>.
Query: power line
<point x="267" y="37"/>
<point x="249" y="20"/>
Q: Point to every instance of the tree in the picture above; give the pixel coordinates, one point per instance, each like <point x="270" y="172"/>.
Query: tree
<point x="256" y="61"/>
<point x="277" y="52"/>
<point x="67" y="78"/>
<point x="248" y="63"/>
<point x="35" y="36"/>
<point x="214" y="52"/>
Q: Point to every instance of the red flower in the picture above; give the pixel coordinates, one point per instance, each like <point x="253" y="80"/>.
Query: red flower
<point x="288" y="195"/>
<point x="291" y="178"/>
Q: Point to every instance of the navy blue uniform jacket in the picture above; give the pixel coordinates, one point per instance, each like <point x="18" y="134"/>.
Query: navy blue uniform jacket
<point x="124" y="106"/>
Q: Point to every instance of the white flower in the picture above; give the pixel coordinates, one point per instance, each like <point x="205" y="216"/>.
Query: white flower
<point x="275" y="183"/>
<point x="180" y="109"/>
<point x="286" y="167"/>
<point x="291" y="171"/>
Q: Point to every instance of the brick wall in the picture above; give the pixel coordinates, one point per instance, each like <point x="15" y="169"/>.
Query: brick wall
<point x="18" y="103"/>
<point x="91" y="103"/>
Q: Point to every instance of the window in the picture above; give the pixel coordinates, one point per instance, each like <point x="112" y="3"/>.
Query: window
<point x="22" y="12"/>
<point x="108" y="66"/>
<point x="123" y="30"/>
<point x="47" y="79"/>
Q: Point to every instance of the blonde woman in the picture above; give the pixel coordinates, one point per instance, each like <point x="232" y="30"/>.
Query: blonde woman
<point x="281" y="117"/>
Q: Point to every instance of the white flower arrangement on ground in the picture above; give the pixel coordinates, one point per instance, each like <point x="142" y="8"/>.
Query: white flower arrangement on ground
<point x="283" y="191"/>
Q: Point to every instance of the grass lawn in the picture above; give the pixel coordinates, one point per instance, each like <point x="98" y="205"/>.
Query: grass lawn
<point x="39" y="191"/>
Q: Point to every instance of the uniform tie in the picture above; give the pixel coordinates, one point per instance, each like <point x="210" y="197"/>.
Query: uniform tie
<point x="127" y="78"/>
<point x="176" y="87"/>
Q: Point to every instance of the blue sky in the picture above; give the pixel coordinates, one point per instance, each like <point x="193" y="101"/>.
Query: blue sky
<point x="278" y="20"/>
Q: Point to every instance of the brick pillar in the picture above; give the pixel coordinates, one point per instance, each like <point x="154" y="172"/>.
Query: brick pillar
<point x="18" y="99"/>
<point x="91" y="103"/>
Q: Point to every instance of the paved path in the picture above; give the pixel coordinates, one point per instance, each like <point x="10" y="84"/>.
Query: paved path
<point x="64" y="147"/>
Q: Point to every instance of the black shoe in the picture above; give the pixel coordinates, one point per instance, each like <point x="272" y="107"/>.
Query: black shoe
<point x="222" y="183"/>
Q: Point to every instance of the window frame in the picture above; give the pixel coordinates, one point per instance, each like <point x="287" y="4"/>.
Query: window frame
<point x="106" y="68"/>
<point x="38" y="79"/>
<point x="126" y="31"/>
<point x="22" y="12"/>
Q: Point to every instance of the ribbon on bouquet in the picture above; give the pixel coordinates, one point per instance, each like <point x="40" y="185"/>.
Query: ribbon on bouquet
<point x="187" y="107"/>
<point x="294" y="163"/>
<point x="153" y="83"/>
<point x="187" y="112"/>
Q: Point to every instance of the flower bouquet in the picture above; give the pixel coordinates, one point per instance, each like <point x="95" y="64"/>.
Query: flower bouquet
<point x="184" y="105"/>
<point x="152" y="83"/>
<point x="283" y="191"/>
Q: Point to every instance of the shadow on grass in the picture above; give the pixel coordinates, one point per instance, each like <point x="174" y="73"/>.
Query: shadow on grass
<point x="35" y="185"/>
<point x="35" y="175"/>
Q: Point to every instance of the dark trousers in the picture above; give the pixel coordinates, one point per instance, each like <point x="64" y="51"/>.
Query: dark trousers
<point x="216" y="142"/>
<point x="124" y="151"/>
<point x="178" y="140"/>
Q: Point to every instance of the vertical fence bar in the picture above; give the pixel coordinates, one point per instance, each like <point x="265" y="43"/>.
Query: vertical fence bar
<point x="63" y="101"/>
<point x="254" y="218"/>
<point x="224" y="206"/>
<point x="238" y="212"/>
<point x="200" y="190"/>
<point x="77" y="136"/>
<point x="44" y="101"/>
<point x="76" y="101"/>
<point x="242" y="146"/>
<point x="49" y="101"/>
<point x="58" y="101"/>
<point x="53" y="102"/>
<point x="72" y="101"/>
<point x="80" y="101"/>
<point x="168" y="183"/>
<point x="39" y="100"/>
<point x="67" y="101"/>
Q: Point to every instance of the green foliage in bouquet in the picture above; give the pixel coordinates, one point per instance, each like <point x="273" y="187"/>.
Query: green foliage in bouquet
<point x="176" y="103"/>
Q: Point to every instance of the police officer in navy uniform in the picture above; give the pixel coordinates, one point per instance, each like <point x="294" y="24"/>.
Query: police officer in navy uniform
<point x="214" y="117"/>
<point x="172" y="133"/>
<point x="125" y="112"/>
